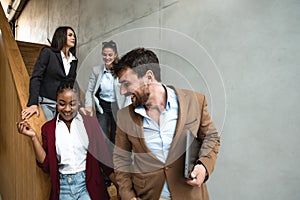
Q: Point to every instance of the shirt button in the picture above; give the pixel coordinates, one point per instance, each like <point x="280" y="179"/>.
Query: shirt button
<point x="69" y="180"/>
<point x="166" y="168"/>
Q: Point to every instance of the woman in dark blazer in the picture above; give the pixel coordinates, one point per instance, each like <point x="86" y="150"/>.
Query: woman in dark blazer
<point x="54" y="64"/>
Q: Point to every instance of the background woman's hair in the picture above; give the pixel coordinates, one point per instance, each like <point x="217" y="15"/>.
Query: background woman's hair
<point x="111" y="44"/>
<point x="59" y="39"/>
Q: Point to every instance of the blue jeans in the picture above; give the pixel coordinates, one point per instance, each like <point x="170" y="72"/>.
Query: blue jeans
<point x="73" y="187"/>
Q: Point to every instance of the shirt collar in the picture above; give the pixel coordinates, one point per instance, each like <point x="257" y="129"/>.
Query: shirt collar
<point x="105" y="70"/>
<point x="170" y="95"/>
<point x="78" y="117"/>
<point x="70" y="54"/>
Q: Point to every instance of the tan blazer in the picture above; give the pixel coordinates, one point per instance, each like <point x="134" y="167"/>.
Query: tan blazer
<point x="140" y="174"/>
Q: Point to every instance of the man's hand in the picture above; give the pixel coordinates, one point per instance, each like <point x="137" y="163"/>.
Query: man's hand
<point x="198" y="176"/>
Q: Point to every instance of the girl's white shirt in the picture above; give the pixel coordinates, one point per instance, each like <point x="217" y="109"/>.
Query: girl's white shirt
<point x="71" y="147"/>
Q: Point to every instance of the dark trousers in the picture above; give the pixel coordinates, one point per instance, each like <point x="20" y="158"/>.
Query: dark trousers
<point x="107" y="119"/>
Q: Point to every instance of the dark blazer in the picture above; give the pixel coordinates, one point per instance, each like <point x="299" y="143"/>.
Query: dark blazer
<point x="97" y="151"/>
<point x="139" y="173"/>
<point x="46" y="76"/>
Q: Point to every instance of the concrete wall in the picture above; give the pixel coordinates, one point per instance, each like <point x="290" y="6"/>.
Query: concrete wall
<point x="4" y="4"/>
<point x="242" y="54"/>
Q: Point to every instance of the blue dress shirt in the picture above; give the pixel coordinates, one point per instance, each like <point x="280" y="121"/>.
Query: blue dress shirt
<point x="107" y="86"/>
<point x="159" y="137"/>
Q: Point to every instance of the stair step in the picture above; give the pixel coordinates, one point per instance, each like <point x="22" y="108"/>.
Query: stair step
<point x="29" y="52"/>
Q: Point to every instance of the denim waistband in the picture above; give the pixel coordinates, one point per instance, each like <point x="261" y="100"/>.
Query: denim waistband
<point x="66" y="176"/>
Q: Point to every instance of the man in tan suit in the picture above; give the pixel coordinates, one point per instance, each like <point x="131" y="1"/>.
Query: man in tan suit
<point x="149" y="155"/>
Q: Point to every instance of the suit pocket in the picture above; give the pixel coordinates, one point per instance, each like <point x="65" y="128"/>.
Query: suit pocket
<point x="191" y="121"/>
<point x="139" y="182"/>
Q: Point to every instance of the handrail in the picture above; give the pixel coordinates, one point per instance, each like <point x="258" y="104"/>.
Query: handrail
<point x="15" y="60"/>
<point x="18" y="69"/>
<point x="21" y="80"/>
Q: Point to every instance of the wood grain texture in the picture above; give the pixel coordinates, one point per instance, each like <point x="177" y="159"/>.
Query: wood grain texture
<point x="19" y="175"/>
<point x="29" y="52"/>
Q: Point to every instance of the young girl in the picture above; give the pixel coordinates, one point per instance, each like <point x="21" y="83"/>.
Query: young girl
<point x="73" y="151"/>
<point x="54" y="64"/>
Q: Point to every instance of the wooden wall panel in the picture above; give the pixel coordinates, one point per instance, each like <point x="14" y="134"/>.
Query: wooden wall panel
<point x="18" y="169"/>
<point x="7" y="152"/>
<point x="20" y="178"/>
<point x="29" y="52"/>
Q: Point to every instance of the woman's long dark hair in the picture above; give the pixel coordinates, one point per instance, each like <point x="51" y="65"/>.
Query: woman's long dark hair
<point x="59" y="39"/>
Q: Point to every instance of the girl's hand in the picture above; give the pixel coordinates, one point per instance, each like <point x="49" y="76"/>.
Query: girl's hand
<point x="24" y="128"/>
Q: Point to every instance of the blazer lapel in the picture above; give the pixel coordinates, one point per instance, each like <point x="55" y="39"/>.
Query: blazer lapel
<point x="59" y="58"/>
<point x="73" y="68"/>
<point x="97" y="85"/>
<point x="51" y="139"/>
<point x="178" y="139"/>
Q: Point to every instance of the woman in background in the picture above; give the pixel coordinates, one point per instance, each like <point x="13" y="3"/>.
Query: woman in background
<point x="54" y="64"/>
<point x="104" y="89"/>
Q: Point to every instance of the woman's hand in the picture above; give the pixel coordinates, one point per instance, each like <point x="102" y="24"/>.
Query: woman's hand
<point x="87" y="111"/>
<point x="25" y="129"/>
<point x="28" y="112"/>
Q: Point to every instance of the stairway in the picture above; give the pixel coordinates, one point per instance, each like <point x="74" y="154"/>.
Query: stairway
<point x="29" y="52"/>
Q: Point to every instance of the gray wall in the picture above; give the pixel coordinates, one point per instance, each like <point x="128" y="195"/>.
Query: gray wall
<point x="242" y="54"/>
